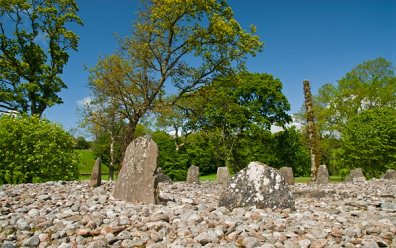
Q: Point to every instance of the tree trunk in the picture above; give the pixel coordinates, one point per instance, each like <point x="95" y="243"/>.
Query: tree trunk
<point x="111" y="166"/>
<point x="237" y="160"/>
<point x="312" y="135"/>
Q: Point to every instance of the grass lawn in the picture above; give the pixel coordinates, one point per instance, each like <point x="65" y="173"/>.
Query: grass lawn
<point x="211" y="177"/>
<point x="88" y="161"/>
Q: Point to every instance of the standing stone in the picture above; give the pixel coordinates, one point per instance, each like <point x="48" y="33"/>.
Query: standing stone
<point x="96" y="176"/>
<point x="390" y="174"/>
<point x="323" y="175"/>
<point x="257" y="185"/>
<point x="193" y="174"/>
<point x="288" y="173"/>
<point x="161" y="177"/>
<point x="223" y="176"/>
<point x="358" y="174"/>
<point x="136" y="182"/>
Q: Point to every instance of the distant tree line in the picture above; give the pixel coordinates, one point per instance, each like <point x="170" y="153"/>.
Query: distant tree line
<point x="284" y="148"/>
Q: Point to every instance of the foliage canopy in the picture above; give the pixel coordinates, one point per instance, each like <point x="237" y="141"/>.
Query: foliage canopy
<point x="369" y="142"/>
<point x="240" y="106"/>
<point x="34" y="42"/>
<point x="365" y="93"/>
<point x="181" y="45"/>
<point x="34" y="148"/>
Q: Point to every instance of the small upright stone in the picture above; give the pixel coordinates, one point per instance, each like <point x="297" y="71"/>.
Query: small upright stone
<point x="323" y="175"/>
<point x="390" y="174"/>
<point x="358" y="173"/>
<point x="161" y="177"/>
<point x="223" y="176"/>
<point x="96" y="177"/>
<point x="257" y="185"/>
<point x="193" y="174"/>
<point x="137" y="181"/>
<point x="288" y="173"/>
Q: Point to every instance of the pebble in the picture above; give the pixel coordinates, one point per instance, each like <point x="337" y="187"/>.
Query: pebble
<point x="72" y="214"/>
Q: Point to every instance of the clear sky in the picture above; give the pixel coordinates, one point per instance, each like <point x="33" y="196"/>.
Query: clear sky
<point x="318" y="40"/>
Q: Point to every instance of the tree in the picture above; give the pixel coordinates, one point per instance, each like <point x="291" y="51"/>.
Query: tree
<point x="101" y="117"/>
<point x="369" y="142"/>
<point x="34" y="42"/>
<point x="175" y="165"/>
<point x="311" y="131"/>
<point x="238" y="105"/>
<point x="177" y="119"/>
<point x="81" y="143"/>
<point x="34" y="148"/>
<point x="290" y="150"/>
<point x="183" y="45"/>
<point x="371" y="84"/>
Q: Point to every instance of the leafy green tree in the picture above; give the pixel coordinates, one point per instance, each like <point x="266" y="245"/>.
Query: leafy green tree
<point x="34" y="41"/>
<point x="201" y="153"/>
<point x="234" y="106"/>
<point x="255" y="145"/>
<point x="174" y="164"/>
<point x="291" y="151"/>
<point x="82" y="144"/>
<point x="33" y="148"/>
<point x="165" y="36"/>
<point x="369" y="142"/>
<point x="371" y="84"/>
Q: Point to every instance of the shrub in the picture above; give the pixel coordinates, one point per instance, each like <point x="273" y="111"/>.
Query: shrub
<point x="34" y="148"/>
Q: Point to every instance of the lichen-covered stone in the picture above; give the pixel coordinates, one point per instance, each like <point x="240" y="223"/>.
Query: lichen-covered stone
<point x="193" y="174"/>
<point x="257" y="185"/>
<point x="358" y="173"/>
<point x="137" y="181"/>
<point x="288" y="173"/>
<point x="96" y="177"/>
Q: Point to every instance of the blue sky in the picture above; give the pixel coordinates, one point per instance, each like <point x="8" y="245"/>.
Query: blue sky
<point x="318" y="40"/>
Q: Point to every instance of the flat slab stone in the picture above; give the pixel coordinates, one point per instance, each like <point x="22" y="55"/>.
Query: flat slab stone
<point x="136" y="182"/>
<point x="257" y="185"/>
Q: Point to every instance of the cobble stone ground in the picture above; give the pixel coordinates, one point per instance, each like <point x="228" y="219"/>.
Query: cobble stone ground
<point x="72" y="214"/>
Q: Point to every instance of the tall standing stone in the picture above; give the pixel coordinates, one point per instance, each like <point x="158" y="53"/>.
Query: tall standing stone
<point x="137" y="181"/>
<point x="323" y="175"/>
<point x="193" y="174"/>
<point x="96" y="176"/>
<point x="288" y="173"/>
<point x="257" y="185"/>
<point x="223" y="176"/>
